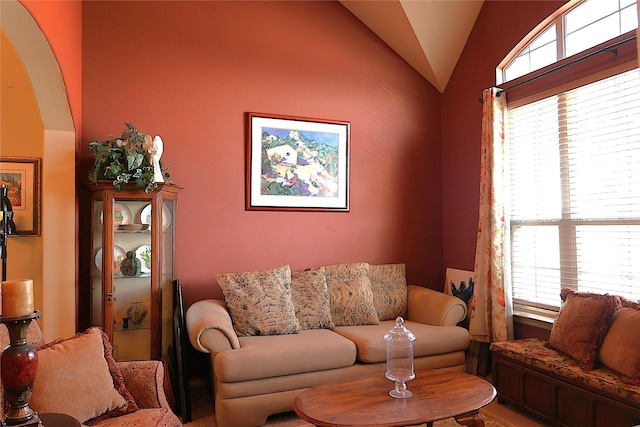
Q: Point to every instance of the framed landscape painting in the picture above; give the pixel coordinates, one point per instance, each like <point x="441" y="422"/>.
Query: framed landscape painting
<point x="22" y="178"/>
<point x="297" y="164"/>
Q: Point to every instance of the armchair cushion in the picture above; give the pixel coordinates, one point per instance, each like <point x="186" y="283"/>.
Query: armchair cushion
<point x="144" y="379"/>
<point x="79" y="377"/>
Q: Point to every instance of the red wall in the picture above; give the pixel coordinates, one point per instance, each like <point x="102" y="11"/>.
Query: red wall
<point x="189" y="71"/>
<point x="499" y="27"/>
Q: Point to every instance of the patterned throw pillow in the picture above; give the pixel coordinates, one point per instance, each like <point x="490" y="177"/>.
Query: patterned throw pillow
<point x="389" y="287"/>
<point x="581" y="325"/>
<point x="260" y="302"/>
<point x="310" y="299"/>
<point x="620" y="350"/>
<point x="350" y="295"/>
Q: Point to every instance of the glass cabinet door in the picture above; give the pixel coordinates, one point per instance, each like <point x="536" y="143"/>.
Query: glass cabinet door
<point x="133" y="271"/>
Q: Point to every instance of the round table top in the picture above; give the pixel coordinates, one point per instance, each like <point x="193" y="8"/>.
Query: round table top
<point x="437" y="394"/>
<point x="58" y="420"/>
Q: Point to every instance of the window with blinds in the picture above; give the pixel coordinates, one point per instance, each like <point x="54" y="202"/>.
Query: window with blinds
<point x="574" y="188"/>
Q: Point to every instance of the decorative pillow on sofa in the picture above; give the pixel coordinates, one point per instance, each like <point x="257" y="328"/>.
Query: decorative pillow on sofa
<point x="389" y="287"/>
<point x="260" y="302"/>
<point x="350" y="295"/>
<point x="620" y="350"/>
<point x="310" y="299"/>
<point x="79" y="377"/>
<point x="581" y="325"/>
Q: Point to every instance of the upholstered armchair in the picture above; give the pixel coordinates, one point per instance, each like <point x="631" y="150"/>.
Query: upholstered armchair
<point x="143" y="381"/>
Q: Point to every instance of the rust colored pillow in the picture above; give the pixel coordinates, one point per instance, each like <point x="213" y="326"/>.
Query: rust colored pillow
<point x="79" y="377"/>
<point x="581" y="325"/>
<point x="620" y="350"/>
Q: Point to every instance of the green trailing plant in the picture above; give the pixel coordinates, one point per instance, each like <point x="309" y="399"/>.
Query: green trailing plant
<point x="125" y="159"/>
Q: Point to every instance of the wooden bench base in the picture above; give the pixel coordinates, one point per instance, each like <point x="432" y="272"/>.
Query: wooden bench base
<point x="556" y="400"/>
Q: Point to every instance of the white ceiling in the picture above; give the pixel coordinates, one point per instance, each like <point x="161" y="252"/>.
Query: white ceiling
<point x="429" y="34"/>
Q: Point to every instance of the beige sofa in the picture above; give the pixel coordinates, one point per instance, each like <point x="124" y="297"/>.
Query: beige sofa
<point x="254" y="377"/>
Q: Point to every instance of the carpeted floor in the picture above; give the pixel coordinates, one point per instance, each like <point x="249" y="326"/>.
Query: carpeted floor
<point x="495" y="414"/>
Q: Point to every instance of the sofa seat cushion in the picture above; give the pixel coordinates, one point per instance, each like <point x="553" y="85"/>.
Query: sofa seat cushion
<point x="278" y="355"/>
<point x="535" y="352"/>
<point x="430" y="340"/>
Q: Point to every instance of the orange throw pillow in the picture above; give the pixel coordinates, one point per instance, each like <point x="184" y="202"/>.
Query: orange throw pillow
<point x="581" y="325"/>
<point x="620" y="350"/>
<point x="79" y="377"/>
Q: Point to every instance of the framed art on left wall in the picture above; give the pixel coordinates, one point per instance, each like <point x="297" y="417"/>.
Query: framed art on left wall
<point x="297" y="164"/>
<point x="21" y="175"/>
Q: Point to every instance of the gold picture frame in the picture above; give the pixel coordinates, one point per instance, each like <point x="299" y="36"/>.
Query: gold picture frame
<point x="22" y="177"/>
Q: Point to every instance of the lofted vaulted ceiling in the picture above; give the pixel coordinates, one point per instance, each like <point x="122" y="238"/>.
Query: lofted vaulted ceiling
<point x="429" y="34"/>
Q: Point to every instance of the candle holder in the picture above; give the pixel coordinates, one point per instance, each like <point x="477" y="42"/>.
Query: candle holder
<point x="19" y="362"/>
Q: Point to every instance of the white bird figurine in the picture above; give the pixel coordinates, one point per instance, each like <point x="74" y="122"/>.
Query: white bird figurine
<point x="156" y="152"/>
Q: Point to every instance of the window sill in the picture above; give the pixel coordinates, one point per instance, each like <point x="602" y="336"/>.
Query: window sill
<point x="542" y="319"/>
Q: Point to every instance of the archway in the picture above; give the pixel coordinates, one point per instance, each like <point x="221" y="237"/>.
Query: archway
<point x="58" y="255"/>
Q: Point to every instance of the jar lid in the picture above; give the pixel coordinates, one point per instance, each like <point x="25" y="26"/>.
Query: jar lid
<point x="399" y="333"/>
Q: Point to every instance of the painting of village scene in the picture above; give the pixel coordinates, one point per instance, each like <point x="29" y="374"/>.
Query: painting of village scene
<point x="296" y="163"/>
<point x="299" y="166"/>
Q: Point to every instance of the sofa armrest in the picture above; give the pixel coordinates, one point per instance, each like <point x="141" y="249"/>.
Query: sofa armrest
<point x="145" y="382"/>
<point x="206" y="315"/>
<point x="434" y="307"/>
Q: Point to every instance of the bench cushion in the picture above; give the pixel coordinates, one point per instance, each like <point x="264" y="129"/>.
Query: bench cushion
<point x="535" y="352"/>
<point x="263" y="357"/>
<point x="430" y="340"/>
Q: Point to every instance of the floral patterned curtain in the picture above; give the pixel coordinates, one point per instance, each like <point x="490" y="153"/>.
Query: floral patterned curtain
<point x="491" y="312"/>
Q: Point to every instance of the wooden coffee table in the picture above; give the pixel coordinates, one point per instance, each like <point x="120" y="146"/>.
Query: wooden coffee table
<point x="365" y="401"/>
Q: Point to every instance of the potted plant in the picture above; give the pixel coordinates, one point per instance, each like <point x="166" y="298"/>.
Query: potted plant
<point x="125" y="159"/>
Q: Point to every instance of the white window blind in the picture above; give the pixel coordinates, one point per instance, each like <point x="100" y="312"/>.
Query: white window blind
<point x="574" y="183"/>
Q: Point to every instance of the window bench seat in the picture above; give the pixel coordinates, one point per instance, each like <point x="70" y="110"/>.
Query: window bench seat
<point x="551" y="386"/>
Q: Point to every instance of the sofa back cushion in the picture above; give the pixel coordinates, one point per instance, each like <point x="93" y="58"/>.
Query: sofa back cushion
<point x="389" y="288"/>
<point x="581" y="325"/>
<point x="620" y="350"/>
<point x="311" y="299"/>
<point x="350" y="295"/>
<point x="260" y="302"/>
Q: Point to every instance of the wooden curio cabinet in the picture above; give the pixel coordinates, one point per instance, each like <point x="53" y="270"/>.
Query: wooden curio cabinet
<point x="133" y="305"/>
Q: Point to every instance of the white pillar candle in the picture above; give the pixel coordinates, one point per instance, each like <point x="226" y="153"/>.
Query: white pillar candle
<point x="17" y="298"/>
